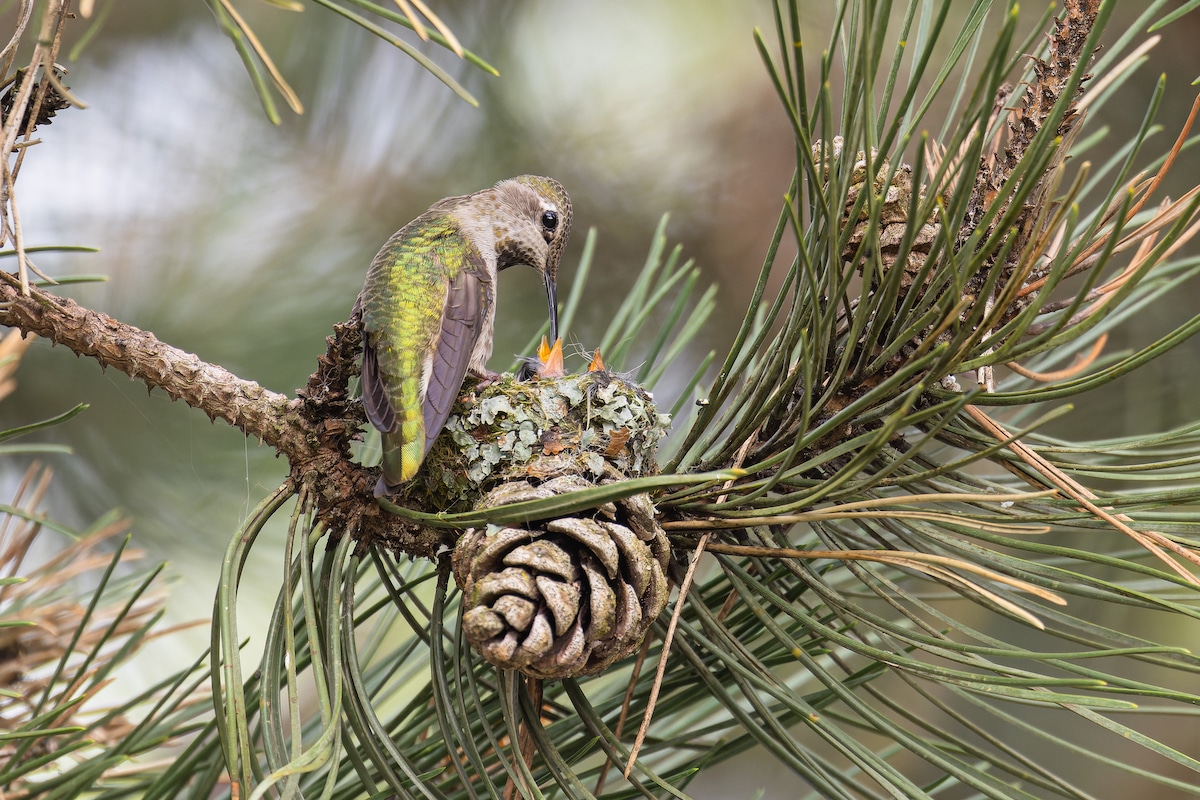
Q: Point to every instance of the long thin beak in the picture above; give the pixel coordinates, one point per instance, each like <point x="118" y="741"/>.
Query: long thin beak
<point x="552" y="300"/>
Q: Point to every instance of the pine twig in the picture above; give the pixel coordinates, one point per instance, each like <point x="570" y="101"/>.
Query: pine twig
<point x="313" y="431"/>
<point x="269" y="416"/>
<point x="1155" y="543"/>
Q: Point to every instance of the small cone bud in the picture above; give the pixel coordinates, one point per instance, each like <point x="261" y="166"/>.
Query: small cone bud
<point x="550" y="360"/>
<point x="597" y="363"/>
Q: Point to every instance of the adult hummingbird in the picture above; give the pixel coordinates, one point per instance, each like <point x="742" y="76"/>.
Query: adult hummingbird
<point x="429" y="306"/>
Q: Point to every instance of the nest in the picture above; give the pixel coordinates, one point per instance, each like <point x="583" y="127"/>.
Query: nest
<point x="583" y="425"/>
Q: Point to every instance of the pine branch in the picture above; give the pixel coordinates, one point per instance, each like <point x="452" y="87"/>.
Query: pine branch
<point x="313" y="431"/>
<point x="1042" y="122"/>
<point x="259" y="412"/>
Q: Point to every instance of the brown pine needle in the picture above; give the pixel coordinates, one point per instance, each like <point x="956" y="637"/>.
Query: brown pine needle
<point x="451" y="39"/>
<point x="684" y="587"/>
<point x="1081" y="363"/>
<point x="1155" y="224"/>
<point x="662" y="661"/>
<point x="1154" y="542"/>
<point x="628" y="701"/>
<point x="1102" y="294"/>
<point x="1145" y="247"/>
<point x="909" y="558"/>
<point x="1180" y="141"/>
<point x="526" y="746"/>
<point x="285" y="89"/>
<point x="52" y="77"/>
<point x="417" y="26"/>
<point x="1170" y="213"/>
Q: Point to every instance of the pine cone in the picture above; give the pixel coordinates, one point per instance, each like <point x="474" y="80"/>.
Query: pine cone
<point x="895" y="198"/>
<point x="565" y="597"/>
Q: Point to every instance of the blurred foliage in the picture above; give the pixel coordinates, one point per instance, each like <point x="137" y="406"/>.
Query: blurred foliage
<point x="76" y="608"/>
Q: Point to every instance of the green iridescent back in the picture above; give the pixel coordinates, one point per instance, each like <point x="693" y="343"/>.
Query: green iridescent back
<point x="403" y="304"/>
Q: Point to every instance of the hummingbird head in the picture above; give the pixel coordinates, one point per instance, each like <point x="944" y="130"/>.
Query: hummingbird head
<point x="531" y="219"/>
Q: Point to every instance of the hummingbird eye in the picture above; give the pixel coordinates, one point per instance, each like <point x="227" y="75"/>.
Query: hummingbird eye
<point x="550" y="220"/>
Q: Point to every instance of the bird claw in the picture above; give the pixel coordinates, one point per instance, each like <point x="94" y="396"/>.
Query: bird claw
<point x="486" y="379"/>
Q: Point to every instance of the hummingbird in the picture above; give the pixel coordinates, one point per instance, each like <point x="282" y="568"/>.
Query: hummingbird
<point x="428" y="307"/>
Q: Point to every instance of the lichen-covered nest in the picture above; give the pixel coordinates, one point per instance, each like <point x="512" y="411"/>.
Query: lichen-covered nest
<point x="537" y="430"/>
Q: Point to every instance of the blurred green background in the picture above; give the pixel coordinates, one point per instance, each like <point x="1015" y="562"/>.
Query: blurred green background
<point x="244" y="242"/>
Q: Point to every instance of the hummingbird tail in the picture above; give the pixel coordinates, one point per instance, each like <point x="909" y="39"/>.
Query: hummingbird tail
<point x="402" y="457"/>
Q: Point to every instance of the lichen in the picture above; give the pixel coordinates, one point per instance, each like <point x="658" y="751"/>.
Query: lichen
<point x="538" y="430"/>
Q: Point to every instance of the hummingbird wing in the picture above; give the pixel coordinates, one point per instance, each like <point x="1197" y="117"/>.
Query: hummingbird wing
<point x="462" y="322"/>
<point x="380" y="411"/>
